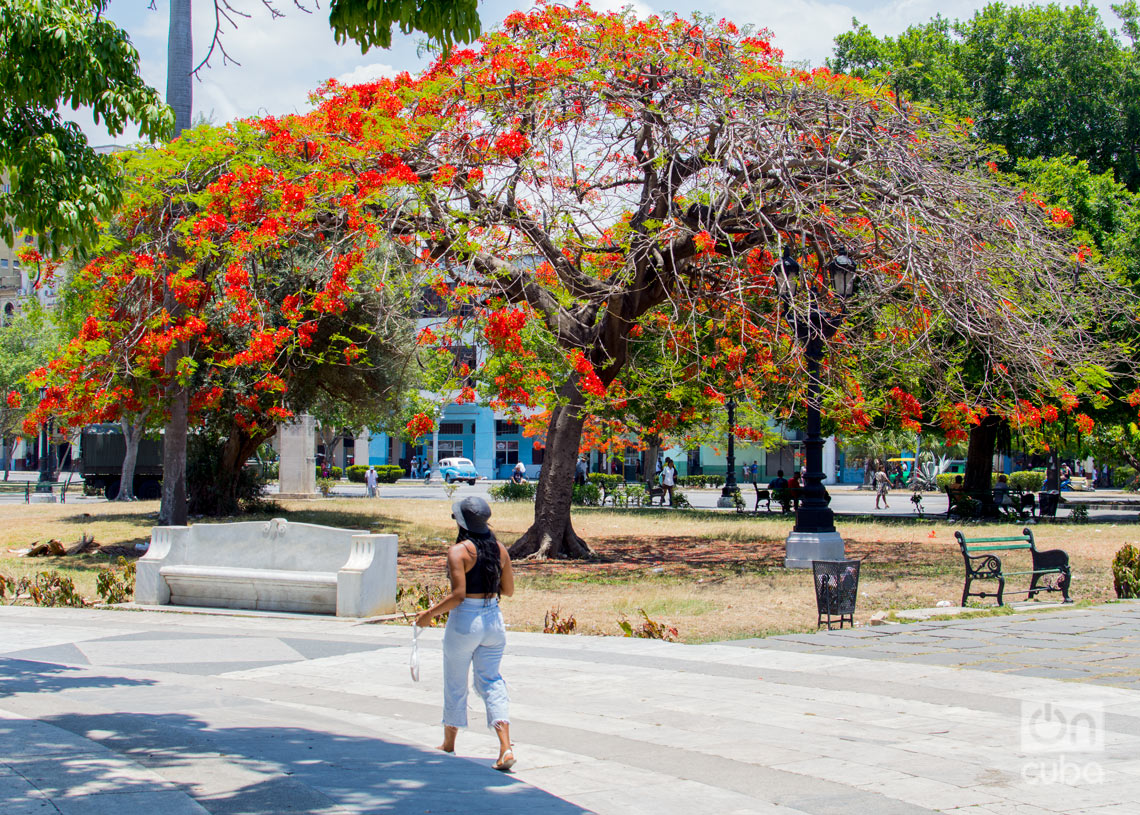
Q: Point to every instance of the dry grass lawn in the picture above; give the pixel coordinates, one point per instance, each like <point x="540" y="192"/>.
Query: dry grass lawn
<point x="711" y="575"/>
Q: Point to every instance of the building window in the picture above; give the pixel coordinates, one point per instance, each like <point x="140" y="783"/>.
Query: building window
<point x="537" y="454"/>
<point x="506" y="428"/>
<point x="506" y="452"/>
<point x="451" y="428"/>
<point x="450" y="448"/>
<point x="3" y="263"/>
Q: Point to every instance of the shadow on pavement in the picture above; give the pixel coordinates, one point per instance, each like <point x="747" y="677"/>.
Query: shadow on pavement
<point x="267" y="770"/>
<point x="25" y="676"/>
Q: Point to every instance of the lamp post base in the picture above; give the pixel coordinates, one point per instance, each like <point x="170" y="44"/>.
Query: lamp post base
<point x="801" y="548"/>
<point x="46" y="497"/>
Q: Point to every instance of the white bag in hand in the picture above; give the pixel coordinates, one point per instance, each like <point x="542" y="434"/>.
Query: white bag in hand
<point x="414" y="659"/>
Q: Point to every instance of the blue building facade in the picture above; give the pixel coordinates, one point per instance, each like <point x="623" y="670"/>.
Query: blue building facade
<point x="494" y="445"/>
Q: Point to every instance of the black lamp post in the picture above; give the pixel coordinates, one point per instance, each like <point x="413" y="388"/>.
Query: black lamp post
<point x="728" y="493"/>
<point x="814" y="536"/>
<point x="43" y="486"/>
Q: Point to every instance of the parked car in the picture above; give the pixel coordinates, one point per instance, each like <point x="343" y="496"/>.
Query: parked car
<point x="458" y="469"/>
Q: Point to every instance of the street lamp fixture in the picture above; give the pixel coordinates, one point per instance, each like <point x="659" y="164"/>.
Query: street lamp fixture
<point x="728" y="492"/>
<point x="43" y="493"/>
<point x="814" y="536"/>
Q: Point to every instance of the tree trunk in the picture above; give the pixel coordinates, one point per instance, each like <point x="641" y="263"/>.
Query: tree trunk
<point x="179" y="64"/>
<point x="552" y="535"/>
<point x="132" y="437"/>
<point x="236" y="452"/>
<point x="173" y="509"/>
<point x="980" y="454"/>
<point x="653" y="447"/>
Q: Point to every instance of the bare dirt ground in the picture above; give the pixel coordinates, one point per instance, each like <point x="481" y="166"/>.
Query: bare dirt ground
<point x="710" y="575"/>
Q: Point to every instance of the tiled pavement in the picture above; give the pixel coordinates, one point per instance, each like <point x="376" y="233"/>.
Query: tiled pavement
<point x="1101" y="645"/>
<point x="118" y="713"/>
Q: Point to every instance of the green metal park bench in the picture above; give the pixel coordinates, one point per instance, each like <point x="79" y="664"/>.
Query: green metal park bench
<point x="983" y="566"/>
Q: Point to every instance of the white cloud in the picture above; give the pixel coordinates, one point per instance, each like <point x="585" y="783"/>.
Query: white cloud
<point x="367" y="73"/>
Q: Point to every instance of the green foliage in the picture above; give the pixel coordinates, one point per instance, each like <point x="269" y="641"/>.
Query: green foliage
<point x="1126" y="572"/>
<point x="1078" y="513"/>
<point x="648" y="629"/>
<point x="1124" y="477"/>
<point x="1026" y="481"/>
<point x="209" y="490"/>
<point x="356" y="473"/>
<point x="385" y="473"/>
<point x="555" y="623"/>
<point x="325" y="485"/>
<point x="369" y="22"/>
<point x="944" y="480"/>
<point x="26" y="343"/>
<point x="1026" y="74"/>
<point x="701" y="481"/>
<point x="510" y="491"/>
<point x="49" y="589"/>
<point x="57" y="53"/>
<point x="681" y="502"/>
<point x="335" y="473"/>
<point x="588" y="495"/>
<point x="606" y="481"/>
<point x="637" y="495"/>
<point x="420" y="597"/>
<point x="116" y="584"/>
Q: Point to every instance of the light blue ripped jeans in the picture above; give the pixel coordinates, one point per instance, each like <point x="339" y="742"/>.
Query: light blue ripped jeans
<point x="475" y="635"/>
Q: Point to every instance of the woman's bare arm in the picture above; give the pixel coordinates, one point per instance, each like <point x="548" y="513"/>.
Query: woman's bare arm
<point x="507" y="583"/>
<point x="458" y="561"/>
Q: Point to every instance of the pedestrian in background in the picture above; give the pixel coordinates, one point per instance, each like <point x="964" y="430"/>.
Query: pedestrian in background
<point x="370" y="481"/>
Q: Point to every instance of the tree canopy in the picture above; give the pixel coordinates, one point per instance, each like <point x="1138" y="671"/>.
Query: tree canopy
<point x="1040" y="81"/>
<point x="55" y="53"/>
<point x="577" y="172"/>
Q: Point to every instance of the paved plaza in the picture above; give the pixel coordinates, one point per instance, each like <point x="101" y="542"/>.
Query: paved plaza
<point x="119" y="712"/>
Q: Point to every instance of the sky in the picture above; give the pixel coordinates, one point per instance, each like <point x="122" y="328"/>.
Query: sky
<point x="282" y="60"/>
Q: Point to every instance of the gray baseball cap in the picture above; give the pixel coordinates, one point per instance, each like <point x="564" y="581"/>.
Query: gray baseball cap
<point x="472" y="514"/>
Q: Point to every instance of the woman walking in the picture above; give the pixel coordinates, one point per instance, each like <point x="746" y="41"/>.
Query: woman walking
<point x="480" y="571"/>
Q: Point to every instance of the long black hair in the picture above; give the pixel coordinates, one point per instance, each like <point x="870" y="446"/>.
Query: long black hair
<point x="488" y="560"/>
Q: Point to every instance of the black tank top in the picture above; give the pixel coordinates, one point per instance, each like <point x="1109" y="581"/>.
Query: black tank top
<point x="476" y="577"/>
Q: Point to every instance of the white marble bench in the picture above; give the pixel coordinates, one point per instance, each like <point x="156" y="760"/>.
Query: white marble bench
<point x="271" y="566"/>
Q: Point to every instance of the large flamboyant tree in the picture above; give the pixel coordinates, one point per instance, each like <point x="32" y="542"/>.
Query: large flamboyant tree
<point x="231" y="257"/>
<point x="579" y="171"/>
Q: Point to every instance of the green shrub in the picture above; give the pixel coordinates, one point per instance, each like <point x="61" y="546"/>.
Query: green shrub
<point x="944" y="480"/>
<point x="325" y="485"/>
<point x="680" y="501"/>
<point x="1126" y="572"/>
<point x="1078" y="513"/>
<point x="606" y="481"/>
<point x="116" y="585"/>
<point x="271" y="470"/>
<point x="1026" y="481"/>
<point x="50" y="589"/>
<point x="510" y="491"/>
<point x="335" y="473"/>
<point x="586" y="495"/>
<point x="357" y="472"/>
<point x="390" y="473"/>
<point x="1124" y="478"/>
<point x="636" y="494"/>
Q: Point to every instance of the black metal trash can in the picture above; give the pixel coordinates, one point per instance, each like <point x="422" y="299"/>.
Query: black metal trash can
<point x="836" y="590"/>
<point x="1047" y="503"/>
